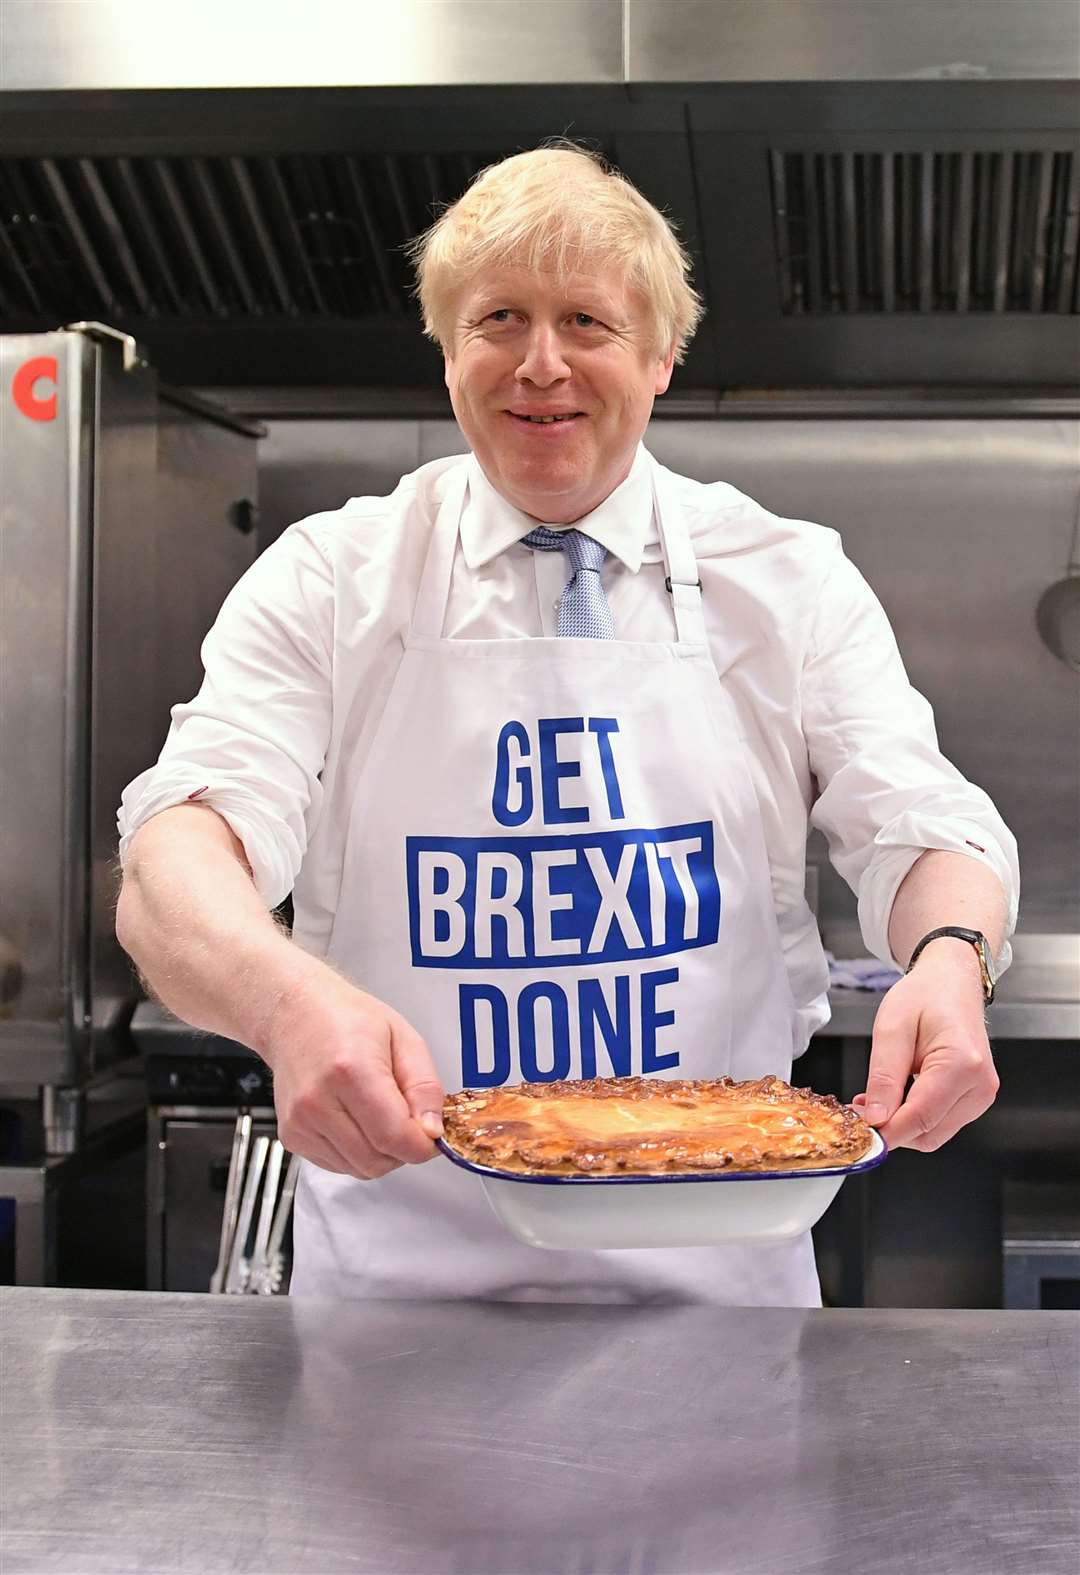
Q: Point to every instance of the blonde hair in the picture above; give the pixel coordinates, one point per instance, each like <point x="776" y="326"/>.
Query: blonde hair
<point x="561" y="208"/>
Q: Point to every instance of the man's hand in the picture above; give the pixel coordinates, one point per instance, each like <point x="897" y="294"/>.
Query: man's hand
<point x="355" y="1087"/>
<point x="930" y="1026"/>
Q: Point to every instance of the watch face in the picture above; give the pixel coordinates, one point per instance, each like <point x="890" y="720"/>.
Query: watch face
<point x="987" y="961"/>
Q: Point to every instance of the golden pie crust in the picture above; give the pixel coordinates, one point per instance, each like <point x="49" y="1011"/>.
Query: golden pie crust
<point x="640" y="1126"/>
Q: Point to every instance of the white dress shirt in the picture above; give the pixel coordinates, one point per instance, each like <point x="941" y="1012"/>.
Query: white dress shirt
<point x="305" y="647"/>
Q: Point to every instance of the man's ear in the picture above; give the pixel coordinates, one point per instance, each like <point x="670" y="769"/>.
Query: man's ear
<point x="664" y="370"/>
<point x="446" y="369"/>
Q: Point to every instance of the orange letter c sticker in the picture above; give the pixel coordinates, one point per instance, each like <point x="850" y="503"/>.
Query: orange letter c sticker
<point x="22" y="388"/>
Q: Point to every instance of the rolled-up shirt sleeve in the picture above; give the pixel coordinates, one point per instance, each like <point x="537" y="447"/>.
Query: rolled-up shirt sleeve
<point x="252" y="742"/>
<point x="886" y="792"/>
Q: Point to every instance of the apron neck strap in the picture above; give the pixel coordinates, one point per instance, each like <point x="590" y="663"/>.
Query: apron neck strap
<point x="680" y="565"/>
<point x="429" y="614"/>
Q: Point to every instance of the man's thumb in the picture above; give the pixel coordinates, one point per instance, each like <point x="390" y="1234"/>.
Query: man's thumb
<point x="414" y="1072"/>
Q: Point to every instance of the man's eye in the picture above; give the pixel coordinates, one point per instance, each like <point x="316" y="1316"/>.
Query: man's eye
<point x="584" y="320"/>
<point x="502" y="314"/>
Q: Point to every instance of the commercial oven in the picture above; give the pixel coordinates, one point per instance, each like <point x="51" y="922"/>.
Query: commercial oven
<point x="196" y="1085"/>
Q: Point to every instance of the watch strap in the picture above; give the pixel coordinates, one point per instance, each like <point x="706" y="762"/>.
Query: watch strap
<point x="974" y="938"/>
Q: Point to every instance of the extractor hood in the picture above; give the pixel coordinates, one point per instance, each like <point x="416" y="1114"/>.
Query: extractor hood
<point x="876" y="195"/>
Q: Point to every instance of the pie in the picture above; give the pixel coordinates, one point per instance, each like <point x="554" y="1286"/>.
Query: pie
<point x="629" y="1126"/>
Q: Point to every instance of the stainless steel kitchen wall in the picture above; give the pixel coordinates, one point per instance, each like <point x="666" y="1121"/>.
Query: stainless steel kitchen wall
<point x="958" y="524"/>
<point x="125" y="44"/>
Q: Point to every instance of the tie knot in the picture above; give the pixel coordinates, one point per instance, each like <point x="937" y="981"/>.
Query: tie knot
<point x="582" y="551"/>
<point x="543" y="539"/>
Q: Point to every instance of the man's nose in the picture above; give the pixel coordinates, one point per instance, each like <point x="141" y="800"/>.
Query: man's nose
<point x="544" y="362"/>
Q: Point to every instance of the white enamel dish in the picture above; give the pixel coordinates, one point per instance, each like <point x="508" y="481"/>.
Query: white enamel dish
<point x="694" y="1210"/>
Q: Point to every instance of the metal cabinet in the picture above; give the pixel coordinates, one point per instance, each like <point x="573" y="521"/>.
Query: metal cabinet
<point x="127" y="515"/>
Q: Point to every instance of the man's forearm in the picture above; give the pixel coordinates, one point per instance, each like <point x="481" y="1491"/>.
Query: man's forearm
<point x="946" y="888"/>
<point x="192" y="921"/>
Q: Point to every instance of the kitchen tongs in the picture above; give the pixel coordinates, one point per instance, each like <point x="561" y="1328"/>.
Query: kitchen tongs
<point x="254" y="1182"/>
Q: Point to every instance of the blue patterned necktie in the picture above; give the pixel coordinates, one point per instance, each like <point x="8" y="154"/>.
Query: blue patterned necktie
<point x="583" y="610"/>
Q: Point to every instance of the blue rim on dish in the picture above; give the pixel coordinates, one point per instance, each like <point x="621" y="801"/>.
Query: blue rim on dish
<point x="871" y="1162"/>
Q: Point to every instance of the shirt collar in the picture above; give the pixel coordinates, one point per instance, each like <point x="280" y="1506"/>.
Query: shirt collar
<point x="622" y="523"/>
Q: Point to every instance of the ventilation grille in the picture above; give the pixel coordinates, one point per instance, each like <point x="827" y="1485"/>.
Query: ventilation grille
<point x="205" y="238"/>
<point x="927" y="232"/>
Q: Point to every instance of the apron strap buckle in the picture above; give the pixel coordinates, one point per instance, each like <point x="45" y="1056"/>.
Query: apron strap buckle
<point x="692" y="584"/>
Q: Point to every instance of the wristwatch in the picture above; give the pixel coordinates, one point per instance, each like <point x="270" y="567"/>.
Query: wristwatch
<point x="982" y="949"/>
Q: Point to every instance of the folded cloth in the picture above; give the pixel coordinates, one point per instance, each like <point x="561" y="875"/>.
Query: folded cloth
<point x="861" y="973"/>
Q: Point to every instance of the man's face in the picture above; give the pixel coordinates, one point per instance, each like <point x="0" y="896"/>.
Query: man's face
<point x="527" y="344"/>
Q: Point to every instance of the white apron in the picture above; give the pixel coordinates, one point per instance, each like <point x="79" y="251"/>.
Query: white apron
<point x="555" y="867"/>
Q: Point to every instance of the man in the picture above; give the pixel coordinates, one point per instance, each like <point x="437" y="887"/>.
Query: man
<point x="541" y="794"/>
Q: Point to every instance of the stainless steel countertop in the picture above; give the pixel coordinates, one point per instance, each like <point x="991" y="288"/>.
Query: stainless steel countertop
<point x="172" y="1433"/>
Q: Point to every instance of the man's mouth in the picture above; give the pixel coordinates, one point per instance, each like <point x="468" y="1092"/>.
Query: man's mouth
<point x="569" y="415"/>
